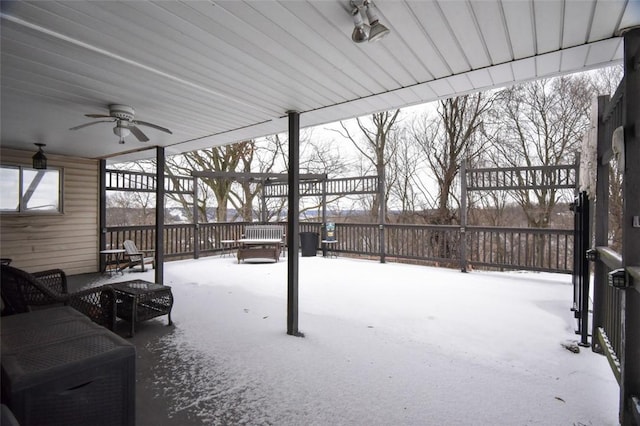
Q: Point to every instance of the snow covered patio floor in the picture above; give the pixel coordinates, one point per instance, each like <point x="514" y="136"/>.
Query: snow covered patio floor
<point x="385" y="344"/>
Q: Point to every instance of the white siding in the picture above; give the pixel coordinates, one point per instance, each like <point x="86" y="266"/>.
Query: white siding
<point x="68" y="241"/>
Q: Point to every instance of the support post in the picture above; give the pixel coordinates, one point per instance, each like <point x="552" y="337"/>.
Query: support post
<point x="160" y="191"/>
<point x="263" y="208"/>
<point x="196" y="221"/>
<point x="293" y="225"/>
<point x="382" y="205"/>
<point x="323" y="234"/>
<point x="463" y="216"/>
<point x="601" y="226"/>
<point x="583" y="267"/>
<point x="630" y="362"/>
<point x="103" y="214"/>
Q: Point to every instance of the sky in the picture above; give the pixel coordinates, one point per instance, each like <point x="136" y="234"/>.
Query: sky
<point x="384" y="344"/>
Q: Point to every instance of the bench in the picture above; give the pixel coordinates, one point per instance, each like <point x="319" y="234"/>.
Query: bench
<point x="261" y="242"/>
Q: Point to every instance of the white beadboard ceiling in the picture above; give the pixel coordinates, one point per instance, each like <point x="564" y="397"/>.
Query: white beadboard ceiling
<point x="216" y="72"/>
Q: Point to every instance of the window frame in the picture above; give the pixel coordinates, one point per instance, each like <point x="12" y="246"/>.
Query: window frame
<point x="21" y="210"/>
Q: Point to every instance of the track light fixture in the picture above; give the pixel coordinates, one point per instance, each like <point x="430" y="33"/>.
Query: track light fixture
<point x="361" y="31"/>
<point x="39" y="160"/>
<point x="374" y="31"/>
<point x="378" y="31"/>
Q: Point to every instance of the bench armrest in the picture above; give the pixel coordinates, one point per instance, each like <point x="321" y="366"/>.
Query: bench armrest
<point x="98" y="303"/>
<point x="54" y="279"/>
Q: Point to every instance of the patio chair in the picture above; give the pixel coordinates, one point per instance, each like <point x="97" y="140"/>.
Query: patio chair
<point x="138" y="257"/>
<point x="23" y="292"/>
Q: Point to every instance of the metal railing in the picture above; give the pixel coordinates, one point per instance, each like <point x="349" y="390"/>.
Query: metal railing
<point x="486" y="247"/>
<point x="608" y="322"/>
<point x="432" y="243"/>
<point x="533" y="249"/>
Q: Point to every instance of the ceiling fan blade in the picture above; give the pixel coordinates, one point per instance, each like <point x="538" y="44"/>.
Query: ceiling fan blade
<point x="138" y="134"/>
<point x="155" y="126"/>
<point x="97" y="116"/>
<point x="91" y="124"/>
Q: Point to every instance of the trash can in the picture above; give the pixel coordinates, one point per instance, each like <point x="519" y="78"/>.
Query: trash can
<point x="308" y="243"/>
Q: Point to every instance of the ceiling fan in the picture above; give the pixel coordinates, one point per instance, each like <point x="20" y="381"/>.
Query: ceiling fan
<point x="123" y="116"/>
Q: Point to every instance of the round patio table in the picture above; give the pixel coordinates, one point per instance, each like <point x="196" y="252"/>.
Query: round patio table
<point x="112" y="256"/>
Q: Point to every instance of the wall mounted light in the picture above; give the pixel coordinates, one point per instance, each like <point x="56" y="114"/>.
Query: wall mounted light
<point x="618" y="278"/>
<point x="39" y="160"/>
<point x="617" y="146"/>
<point x="374" y="31"/>
<point x="591" y="255"/>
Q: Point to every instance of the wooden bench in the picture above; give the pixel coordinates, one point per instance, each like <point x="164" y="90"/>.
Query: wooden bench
<point x="261" y="242"/>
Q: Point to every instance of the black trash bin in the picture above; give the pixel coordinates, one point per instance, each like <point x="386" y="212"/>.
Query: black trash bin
<point x="308" y="243"/>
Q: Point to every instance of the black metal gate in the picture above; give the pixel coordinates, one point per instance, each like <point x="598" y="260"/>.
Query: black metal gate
<point x="581" y="243"/>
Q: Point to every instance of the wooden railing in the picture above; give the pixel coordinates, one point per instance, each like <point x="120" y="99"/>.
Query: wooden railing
<point x="530" y="249"/>
<point x="486" y="247"/>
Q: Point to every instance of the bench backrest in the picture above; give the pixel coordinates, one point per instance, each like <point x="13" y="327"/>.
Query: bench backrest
<point x="263" y="232"/>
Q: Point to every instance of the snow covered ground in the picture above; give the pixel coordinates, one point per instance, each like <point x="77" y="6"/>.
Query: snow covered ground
<point x="385" y="344"/>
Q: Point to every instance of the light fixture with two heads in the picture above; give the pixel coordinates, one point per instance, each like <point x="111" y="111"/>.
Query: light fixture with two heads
<point x="375" y="31"/>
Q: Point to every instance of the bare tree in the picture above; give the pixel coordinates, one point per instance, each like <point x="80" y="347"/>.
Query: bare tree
<point x="377" y="144"/>
<point x="224" y="158"/>
<point x="541" y="123"/>
<point x="265" y="157"/>
<point x="316" y="157"/>
<point x="447" y="140"/>
<point x="126" y="208"/>
<point x="405" y="166"/>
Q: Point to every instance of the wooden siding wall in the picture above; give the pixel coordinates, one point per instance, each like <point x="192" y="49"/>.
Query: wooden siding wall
<point x="68" y="241"/>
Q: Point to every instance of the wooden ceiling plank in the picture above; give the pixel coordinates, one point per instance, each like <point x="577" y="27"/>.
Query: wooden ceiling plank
<point x="600" y="53"/>
<point x="464" y="25"/>
<point x="549" y="25"/>
<point x="442" y="88"/>
<point x="283" y="48"/>
<point x="578" y="15"/>
<point x="460" y="83"/>
<point x="519" y="19"/>
<point x="93" y="71"/>
<point x="501" y="74"/>
<point x="491" y="20"/>
<point x="548" y="65"/>
<point x="438" y="31"/>
<point x="606" y="16"/>
<point x="524" y="69"/>
<point x="481" y="79"/>
<point x="408" y="41"/>
<point x="124" y="47"/>
<point x="574" y="58"/>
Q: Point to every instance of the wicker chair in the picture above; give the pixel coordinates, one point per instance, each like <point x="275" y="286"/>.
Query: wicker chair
<point x="22" y="291"/>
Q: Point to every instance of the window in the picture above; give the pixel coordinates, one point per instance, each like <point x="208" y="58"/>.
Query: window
<point x="26" y="190"/>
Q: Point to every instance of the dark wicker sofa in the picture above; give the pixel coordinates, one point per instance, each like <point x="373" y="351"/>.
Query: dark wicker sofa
<point x="22" y="292"/>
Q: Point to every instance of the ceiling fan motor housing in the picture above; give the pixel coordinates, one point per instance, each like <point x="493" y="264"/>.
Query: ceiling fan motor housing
<point x="123" y="112"/>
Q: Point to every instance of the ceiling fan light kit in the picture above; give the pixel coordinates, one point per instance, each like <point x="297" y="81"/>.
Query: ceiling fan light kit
<point x="121" y="130"/>
<point x="123" y="116"/>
